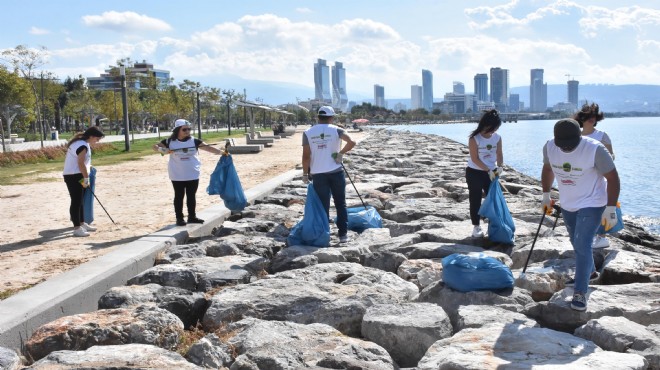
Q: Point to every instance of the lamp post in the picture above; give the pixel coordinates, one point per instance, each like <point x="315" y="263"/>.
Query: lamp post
<point x="124" y="100"/>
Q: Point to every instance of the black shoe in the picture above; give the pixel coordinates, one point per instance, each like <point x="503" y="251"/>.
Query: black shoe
<point x="180" y="222"/>
<point x="195" y="220"/>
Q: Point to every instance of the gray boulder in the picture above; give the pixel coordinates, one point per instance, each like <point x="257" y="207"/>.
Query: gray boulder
<point x="623" y="267"/>
<point x="422" y="272"/>
<point x="406" y="330"/>
<point x="210" y="352"/>
<point x="293" y="257"/>
<point x="386" y="261"/>
<point x="9" y="360"/>
<point x="477" y="316"/>
<point x="543" y="279"/>
<point x="544" y="249"/>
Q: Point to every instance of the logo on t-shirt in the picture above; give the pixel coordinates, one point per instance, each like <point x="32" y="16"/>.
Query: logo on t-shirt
<point x="567" y="167"/>
<point x="489" y="146"/>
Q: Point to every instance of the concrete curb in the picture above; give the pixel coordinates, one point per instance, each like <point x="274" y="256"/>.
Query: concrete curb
<point x="78" y="290"/>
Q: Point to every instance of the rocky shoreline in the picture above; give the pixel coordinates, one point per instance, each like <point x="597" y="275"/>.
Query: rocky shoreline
<point x="243" y="299"/>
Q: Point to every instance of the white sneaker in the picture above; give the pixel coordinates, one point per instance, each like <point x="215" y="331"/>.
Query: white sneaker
<point x="80" y="232"/>
<point x="87" y="227"/>
<point x="343" y="239"/>
<point x="600" y="242"/>
<point x="477" y="233"/>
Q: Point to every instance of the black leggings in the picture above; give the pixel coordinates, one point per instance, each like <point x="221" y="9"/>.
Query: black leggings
<point x="76" y="193"/>
<point x="477" y="182"/>
<point x="189" y="188"/>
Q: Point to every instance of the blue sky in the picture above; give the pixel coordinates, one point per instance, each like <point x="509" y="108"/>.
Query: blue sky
<point x="380" y="42"/>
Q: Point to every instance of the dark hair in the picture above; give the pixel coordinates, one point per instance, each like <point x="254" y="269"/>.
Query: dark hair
<point x="589" y="111"/>
<point x="490" y="121"/>
<point x="93" y="131"/>
<point x="324" y="119"/>
<point x="175" y="132"/>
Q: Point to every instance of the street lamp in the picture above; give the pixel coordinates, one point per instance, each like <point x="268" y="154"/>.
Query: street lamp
<point x="124" y="100"/>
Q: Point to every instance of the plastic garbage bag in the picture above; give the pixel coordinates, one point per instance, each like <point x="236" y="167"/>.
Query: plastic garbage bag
<point x="601" y="229"/>
<point x="225" y="182"/>
<point x="361" y="218"/>
<point x="314" y="228"/>
<point x="501" y="228"/>
<point x="88" y="198"/>
<point x="475" y="271"/>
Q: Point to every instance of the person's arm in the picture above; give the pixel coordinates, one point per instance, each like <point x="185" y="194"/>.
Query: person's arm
<point x="350" y="144"/>
<point x="547" y="178"/>
<point x="306" y="158"/>
<point x="81" y="162"/>
<point x="613" y="187"/>
<point x="500" y="154"/>
<point x="210" y="149"/>
<point x="474" y="154"/>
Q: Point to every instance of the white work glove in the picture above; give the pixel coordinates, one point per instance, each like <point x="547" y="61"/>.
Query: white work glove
<point x="492" y="174"/>
<point x="338" y="157"/>
<point x="499" y="171"/>
<point x="85" y="182"/>
<point x="163" y="150"/>
<point x="609" y="219"/>
<point x="305" y="178"/>
<point x="546" y="204"/>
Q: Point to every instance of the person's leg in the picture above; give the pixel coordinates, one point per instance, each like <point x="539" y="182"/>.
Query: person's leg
<point x="586" y="224"/>
<point x="191" y="201"/>
<point x="76" y="195"/>
<point x="338" y="190"/>
<point x="321" y="182"/>
<point x="477" y="181"/>
<point x="179" y="191"/>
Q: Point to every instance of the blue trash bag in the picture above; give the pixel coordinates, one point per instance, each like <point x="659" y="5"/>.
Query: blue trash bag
<point x="475" y="271"/>
<point x="88" y="198"/>
<point x="619" y="224"/>
<point x="314" y="228"/>
<point x="361" y="218"/>
<point x="501" y="228"/>
<point x="225" y="182"/>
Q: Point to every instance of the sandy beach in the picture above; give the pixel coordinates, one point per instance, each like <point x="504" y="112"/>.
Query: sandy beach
<point x="36" y="241"/>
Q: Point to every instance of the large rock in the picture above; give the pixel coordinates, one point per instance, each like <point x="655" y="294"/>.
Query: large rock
<point x="544" y="249"/>
<point x="9" y="360"/>
<point x="546" y="278"/>
<point x="128" y="356"/>
<point x="411" y="227"/>
<point x="386" y="261"/>
<point x="410" y="210"/>
<point x="623" y="267"/>
<point x="637" y="302"/>
<point x="516" y="346"/>
<point x="422" y="272"/>
<point x="210" y="352"/>
<point x="406" y="330"/>
<point x="143" y="324"/>
<point x="622" y="335"/>
<point x="188" y="306"/>
<point x="477" y="316"/>
<point x="293" y="257"/>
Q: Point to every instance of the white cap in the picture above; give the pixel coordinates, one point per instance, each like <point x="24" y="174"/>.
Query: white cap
<point x="181" y="122"/>
<point x="326" y="111"/>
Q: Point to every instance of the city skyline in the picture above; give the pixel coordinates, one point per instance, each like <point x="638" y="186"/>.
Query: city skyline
<point x="270" y="44"/>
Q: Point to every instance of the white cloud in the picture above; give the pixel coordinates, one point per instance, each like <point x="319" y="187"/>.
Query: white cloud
<point x="304" y="10"/>
<point x="634" y="17"/>
<point x="38" y="31"/>
<point x="125" y="22"/>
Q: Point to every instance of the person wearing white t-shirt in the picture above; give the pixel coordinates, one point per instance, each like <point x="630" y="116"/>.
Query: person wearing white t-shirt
<point x="322" y="160"/>
<point x="485" y="162"/>
<point x="588" y="117"/>
<point x="588" y="186"/>
<point x="77" y="166"/>
<point x="184" y="168"/>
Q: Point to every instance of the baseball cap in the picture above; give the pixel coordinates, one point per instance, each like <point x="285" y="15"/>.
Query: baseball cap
<point x="181" y="122"/>
<point x="567" y="134"/>
<point x="326" y="111"/>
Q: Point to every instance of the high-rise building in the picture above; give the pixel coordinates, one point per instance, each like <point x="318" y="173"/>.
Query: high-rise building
<point x="136" y="75"/>
<point x="427" y="90"/>
<point x="322" y="82"/>
<point x="415" y="97"/>
<point x="514" y="103"/>
<point x="499" y="88"/>
<point x="459" y="88"/>
<point x="339" y="97"/>
<point x="481" y="87"/>
<point x="458" y="103"/>
<point x="379" y="96"/>
<point x="538" y="91"/>
<point x="573" y="92"/>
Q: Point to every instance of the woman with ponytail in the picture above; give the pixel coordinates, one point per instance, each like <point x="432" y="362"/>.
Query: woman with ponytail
<point x="77" y="165"/>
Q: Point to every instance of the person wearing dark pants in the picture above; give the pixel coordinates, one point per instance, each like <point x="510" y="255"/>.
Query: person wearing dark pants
<point x="184" y="168"/>
<point x="322" y="159"/>
<point x="485" y="162"/>
<point x="77" y="166"/>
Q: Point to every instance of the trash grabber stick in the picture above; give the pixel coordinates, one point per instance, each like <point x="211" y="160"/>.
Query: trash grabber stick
<point x="354" y="187"/>
<point x="557" y="214"/>
<point x="106" y="212"/>
<point x="533" y="243"/>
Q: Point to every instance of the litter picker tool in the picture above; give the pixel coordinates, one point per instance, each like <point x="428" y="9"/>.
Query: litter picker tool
<point x="533" y="243"/>
<point x="101" y="204"/>
<point x="354" y="187"/>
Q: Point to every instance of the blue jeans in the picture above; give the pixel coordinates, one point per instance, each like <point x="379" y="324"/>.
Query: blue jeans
<point x="333" y="183"/>
<point x="582" y="226"/>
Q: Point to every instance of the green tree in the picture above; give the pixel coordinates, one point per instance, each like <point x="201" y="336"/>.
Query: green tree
<point x="15" y="96"/>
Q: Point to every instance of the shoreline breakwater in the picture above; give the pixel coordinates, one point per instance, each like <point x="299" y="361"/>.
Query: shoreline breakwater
<point x="242" y="299"/>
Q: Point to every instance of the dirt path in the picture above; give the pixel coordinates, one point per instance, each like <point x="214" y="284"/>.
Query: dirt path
<point x="35" y="237"/>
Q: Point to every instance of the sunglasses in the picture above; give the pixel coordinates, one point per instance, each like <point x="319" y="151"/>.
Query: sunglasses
<point x="185" y="129"/>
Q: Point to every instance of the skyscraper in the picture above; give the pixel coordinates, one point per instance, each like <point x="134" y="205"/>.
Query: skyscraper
<point x="499" y="88"/>
<point x="481" y="86"/>
<point x="322" y="81"/>
<point x="427" y="90"/>
<point x="415" y="97"/>
<point x="514" y="103"/>
<point x="459" y="88"/>
<point x="339" y="97"/>
<point x="538" y="91"/>
<point x="379" y="96"/>
<point x="573" y="92"/>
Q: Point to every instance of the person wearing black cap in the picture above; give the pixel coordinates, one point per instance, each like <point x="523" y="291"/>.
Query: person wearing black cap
<point x="322" y="158"/>
<point x="588" y="186"/>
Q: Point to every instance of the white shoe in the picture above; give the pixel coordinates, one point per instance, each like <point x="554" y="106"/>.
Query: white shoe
<point x="477" y="233"/>
<point x="80" y="232"/>
<point x="87" y="227"/>
<point x="600" y="242"/>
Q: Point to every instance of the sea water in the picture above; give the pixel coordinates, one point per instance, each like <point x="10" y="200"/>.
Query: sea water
<point x="634" y="140"/>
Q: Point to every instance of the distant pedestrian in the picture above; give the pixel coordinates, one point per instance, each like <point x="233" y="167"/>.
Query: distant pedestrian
<point x="77" y="166"/>
<point x="588" y="117"/>
<point x="588" y="190"/>
<point x="485" y="162"/>
<point x="184" y="168"/>
<point x="322" y="159"/>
